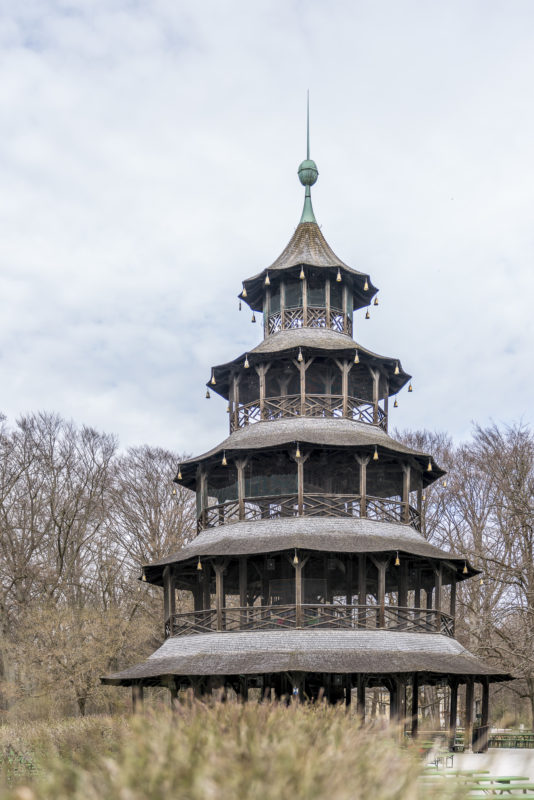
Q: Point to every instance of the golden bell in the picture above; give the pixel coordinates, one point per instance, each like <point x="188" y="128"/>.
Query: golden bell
<point x="300" y="357"/>
<point x="244" y="293"/>
<point x="367" y="314"/>
<point x="246" y="364"/>
<point x="410" y="388"/>
<point x="228" y="408"/>
<point x="338" y="276"/>
<point x="396" y="403"/>
<point x="179" y="473"/>
<point x="356" y="358"/>
<point x="199" y="565"/>
<point x="397" y="370"/>
<point x="224" y="462"/>
<point x="143" y="578"/>
<point x="208" y="395"/>
<point x="375" y="454"/>
<point x="267" y="281"/>
<point x="465" y="570"/>
<point x="302" y="276"/>
<point x="376" y="301"/>
<point x="295" y="559"/>
<point x="481" y="581"/>
<point x="423" y="497"/>
<point x="253" y="317"/>
<point x="174" y="491"/>
<point x="429" y="466"/>
<point x="365" y="286"/>
<point x="297" y="453"/>
<point x="397" y="560"/>
<point x="444" y="484"/>
<point x="213" y="381"/>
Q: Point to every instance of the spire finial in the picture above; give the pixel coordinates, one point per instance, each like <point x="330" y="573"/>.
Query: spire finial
<point x="308" y="171"/>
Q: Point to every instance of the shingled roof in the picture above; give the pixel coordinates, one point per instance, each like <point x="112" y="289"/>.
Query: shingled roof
<point x="308" y="247"/>
<point x="356" y="651"/>
<point x="335" y="432"/>
<point x="328" y="534"/>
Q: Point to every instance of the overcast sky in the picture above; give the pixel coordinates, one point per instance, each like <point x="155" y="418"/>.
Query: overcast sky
<point x="148" y="161"/>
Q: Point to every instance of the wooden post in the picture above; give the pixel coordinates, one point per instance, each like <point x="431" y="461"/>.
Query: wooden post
<point x="484" y="722"/>
<point x="468" y="727"/>
<point x="327" y="302"/>
<point x="406" y="474"/>
<point x="243" y="589"/>
<point x="266" y="311"/>
<point x="439" y="580"/>
<point x="375" y="374"/>
<point x="403" y="582"/>
<point x="381" y="567"/>
<point x="453" y="711"/>
<point x="361" y="697"/>
<point x="298" y="594"/>
<point x="349" y="588"/>
<point x="348" y="690"/>
<point x="415" y="704"/>
<point x="243" y="688"/>
<point x="282" y="304"/>
<point x="137" y="697"/>
<point x="304" y="302"/>
<point x="166" y="601"/>
<point x="260" y="369"/>
<point x="219" y="594"/>
<point x="241" y="464"/>
<point x="393" y="701"/>
<point x="237" y="378"/>
<point x="345" y="305"/>
<point x="363" y="484"/>
<point x="417" y="594"/>
<point x="362" y="591"/>
<point x="452" y="608"/>
<point x="386" y="404"/>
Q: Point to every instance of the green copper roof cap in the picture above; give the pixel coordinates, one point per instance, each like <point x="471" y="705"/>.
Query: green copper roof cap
<point x="308" y="173"/>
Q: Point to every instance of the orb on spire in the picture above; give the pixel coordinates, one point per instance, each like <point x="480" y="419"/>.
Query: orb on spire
<point x="308" y="172"/>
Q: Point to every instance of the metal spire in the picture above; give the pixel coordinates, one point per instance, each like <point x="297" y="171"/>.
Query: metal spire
<point x="308" y="172"/>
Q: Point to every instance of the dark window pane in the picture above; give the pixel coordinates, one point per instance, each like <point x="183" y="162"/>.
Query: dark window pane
<point x="275" y="299"/>
<point x="294" y="293"/>
<point x="336" y="295"/>
<point x="316" y="291"/>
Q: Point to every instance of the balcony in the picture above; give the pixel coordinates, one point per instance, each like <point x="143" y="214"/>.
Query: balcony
<point x="323" y="406"/>
<point x="384" y="509"/>
<point x="310" y="317"/>
<point x="311" y="616"/>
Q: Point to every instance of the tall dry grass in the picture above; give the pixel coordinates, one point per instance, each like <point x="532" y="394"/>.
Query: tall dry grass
<point x="223" y="751"/>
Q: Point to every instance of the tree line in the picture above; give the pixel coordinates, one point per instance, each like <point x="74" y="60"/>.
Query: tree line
<point x="78" y="518"/>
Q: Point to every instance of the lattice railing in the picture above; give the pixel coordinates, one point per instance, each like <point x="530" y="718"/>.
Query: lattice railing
<point x="312" y="317"/>
<point x="313" y="615"/>
<point x="317" y="504"/>
<point x="315" y="405"/>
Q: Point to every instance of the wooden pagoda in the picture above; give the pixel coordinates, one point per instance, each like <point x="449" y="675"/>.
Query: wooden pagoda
<point x="309" y="574"/>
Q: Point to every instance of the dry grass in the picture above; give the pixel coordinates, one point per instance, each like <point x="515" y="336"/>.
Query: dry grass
<point x="223" y="751"/>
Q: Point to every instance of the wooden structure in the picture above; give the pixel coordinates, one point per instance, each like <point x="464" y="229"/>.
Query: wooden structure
<point x="309" y="573"/>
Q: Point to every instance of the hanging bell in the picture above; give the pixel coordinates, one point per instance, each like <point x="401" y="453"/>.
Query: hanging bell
<point x="246" y="364"/>
<point x="244" y="293"/>
<point x="297" y="452"/>
<point x="481" y="582"/>
<point x="397" y="560"/>
<point x="174" y="491"/>
<point x="338" y="276"/>
<point x="199" y="565"/>
<point x="179" y="476"/>
<point x="367" y="314"/>
<point x="356" y="358"/>
<point x="213" y="381"/>
<point x="300" y="357"/>
<point x="253" y="317"/>
<point x="295" y="559"/>
<point x="375" y="454"/>
<point x="397" y="370"/>
<point x="423" y="498"/>
<point x="365" y="286"/>
<point x="429" y="465"/>
<point x="376" y="301"/>
<point x="267" y="281"/>
<point x="302" y="276"/>
<point x="396" y="403"/>
<point x="465" y="570"/>
<point x="224" y="462"/>
<point x="208" y="395"/>
<point x="228" y="408"/>
<point x="444" y="484"/>
<point x="143" y="577"/>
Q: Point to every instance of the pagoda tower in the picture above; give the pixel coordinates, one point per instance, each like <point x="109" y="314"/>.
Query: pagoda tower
<point x="309" y="575"/>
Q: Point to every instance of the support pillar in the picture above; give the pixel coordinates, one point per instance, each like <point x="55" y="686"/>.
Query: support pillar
<point x="137" y="698"/>
<point x="406" y="475"/>
<point x="363" y="484"/>
<point x="468" y="727"/>
<point x="453" y="711"/>
<point x="362" y="591"/>
<point x="361" y="697"/>
<point x="415" y="705"/>
<point x="348" y="690"/>
<point x="243" y="589"/>
<point x="483" y="731"/>
<point x="240" y="465"/>
<point x="219" y="594"/>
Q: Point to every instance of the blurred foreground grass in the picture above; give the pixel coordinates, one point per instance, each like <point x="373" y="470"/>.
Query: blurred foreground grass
<point x="220" y="750"/>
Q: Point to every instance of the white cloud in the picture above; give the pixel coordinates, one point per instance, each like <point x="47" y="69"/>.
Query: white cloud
<point x="148" y="158"/>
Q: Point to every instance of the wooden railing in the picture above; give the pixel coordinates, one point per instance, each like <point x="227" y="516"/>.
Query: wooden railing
<point x="311" y="317"/>
<point x="312" y="405"/>
<point x="337" y="616"/>
<point x="310" y="505"/>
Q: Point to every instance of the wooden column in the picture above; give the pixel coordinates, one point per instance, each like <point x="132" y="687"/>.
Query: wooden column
<point x="453" y="710"/>
<point x="417" y="594"/>
<point x="266" y="311"/>
<point x="361" y="697"/>
<point x="348" y="690"/>
<point x="240" y="465"/>
<point x="363" y="461"/>
<point x="236" y="380"/>
<point x="452" y="608"/>
<point x="415" y="704"/>
<point x="282" y="304"/>
<point x="468" y="727"/>
<point x="484" y="722"/>
<point x="304" y="283"/>
<point x="403" y="582"/>
<point x="219" y="594"/>
<point x="137" y="698"/>
<point x="327" y="303"/>
<point x="349" y="586"/>
<point x="381" y="598"/>
<point x="438" y="571"/>
<point x="243" y="688"/>
<point x="344" y="367"/>
<point x="375" y="374"/>
<point x="298" y="593"/>
<point x="393" y="701"/>
<point x="345" y="314"/>
<point x="362" y="591"/>
<point x="406" y="475"/>
<point x="386" y="404"/>
<point x="243" y="588"/>
<point x="166" y="600"/>
<point x="197" y="591"/>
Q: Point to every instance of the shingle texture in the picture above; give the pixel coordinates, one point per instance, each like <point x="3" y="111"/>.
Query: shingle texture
<point x="328" y="534"/>
<point x="378" y="652"/>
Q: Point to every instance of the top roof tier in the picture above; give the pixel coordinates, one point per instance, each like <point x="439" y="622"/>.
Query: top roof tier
<point x="308" y="256"/>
